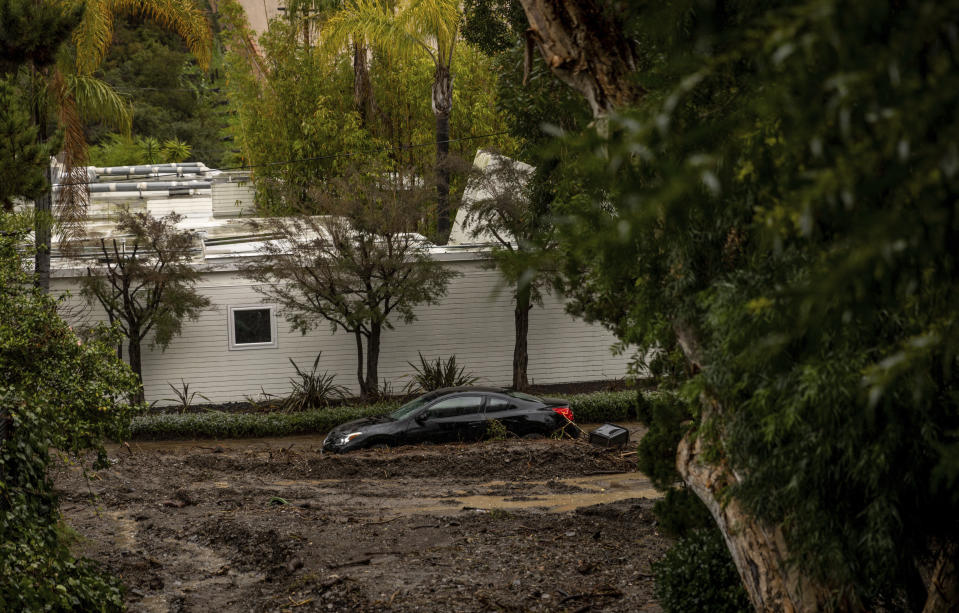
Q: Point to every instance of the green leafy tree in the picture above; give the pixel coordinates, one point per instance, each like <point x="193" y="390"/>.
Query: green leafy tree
<point x="60" y="392"/>
<point x="500" y="209"/>
<point x="147" y="287"/>
<point x="359" y="269"/>
<point x="779" y="202"/>
<point x="405" y="30"/>
<point x="22" y="158"/>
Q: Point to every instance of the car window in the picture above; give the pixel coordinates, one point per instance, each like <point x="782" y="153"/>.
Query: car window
<point x="460" y="405"/>
<point x="496" y="404"/>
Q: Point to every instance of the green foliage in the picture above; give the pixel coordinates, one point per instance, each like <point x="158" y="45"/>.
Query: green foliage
<point x="22" y="157"/>
<point x="784" y="196"/>
<point x="59" y="392"/>
<point x="698" y="576"/>
<point x="217" y="424"/>
<point x="121" y="150"/>
<point x="313" y="390"/>
<point x="438" y="374"/>
<point x="172" y="98"/>
<point x="599" y="407"/>
<point x="680" y="512"/>
<point x="657" y="451"/>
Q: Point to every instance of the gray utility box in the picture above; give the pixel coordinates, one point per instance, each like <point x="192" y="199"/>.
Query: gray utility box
<point x="609" y="435"/>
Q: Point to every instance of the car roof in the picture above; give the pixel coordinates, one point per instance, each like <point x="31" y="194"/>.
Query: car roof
<point x="469" y="388"/>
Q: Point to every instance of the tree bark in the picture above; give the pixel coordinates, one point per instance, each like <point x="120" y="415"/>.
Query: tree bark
<point x="520" y="348"/>
<point x="372" y="360"/>
<point x="943" y="586"/>
<point x="584" y="46"/>
<point x="359" y="364"/>
<point x="442" y="102"/>
<point x="362" y="87"/>
<point x="133" y="350"/>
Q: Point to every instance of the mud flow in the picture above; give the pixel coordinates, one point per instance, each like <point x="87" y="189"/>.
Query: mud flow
<point x="275" y="525"/>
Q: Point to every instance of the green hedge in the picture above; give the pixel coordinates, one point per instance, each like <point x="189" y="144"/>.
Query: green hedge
<point x="217" y="424"/>
<point x="587" y="408"/>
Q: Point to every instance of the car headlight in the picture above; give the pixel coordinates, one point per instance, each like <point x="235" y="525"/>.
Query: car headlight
<point x="346" y="438"/>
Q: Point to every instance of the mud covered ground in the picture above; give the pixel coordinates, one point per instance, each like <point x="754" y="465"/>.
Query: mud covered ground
<point x="269" y="525"/>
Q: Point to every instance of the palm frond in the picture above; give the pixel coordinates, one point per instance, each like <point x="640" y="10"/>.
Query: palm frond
<point x="95" y="32"/>
<point x="374" y="22"/>
<point x="436" y="19"/>
<point x="97" y="101"/>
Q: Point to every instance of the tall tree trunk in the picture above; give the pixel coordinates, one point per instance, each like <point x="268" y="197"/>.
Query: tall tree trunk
<point x="359" y="364"/>
<point x="373" y="360"/>
<point x="362" y="86"/>
<point x="583" y="44"/>
<point x="442" y="107"/>
<point x="520" y="352"/>
<point x="133" y="350"/>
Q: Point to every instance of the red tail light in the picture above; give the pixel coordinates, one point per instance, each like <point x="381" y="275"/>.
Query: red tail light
<point x="565" y="412"/>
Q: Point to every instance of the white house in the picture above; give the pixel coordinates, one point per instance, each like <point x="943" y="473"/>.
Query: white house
<point x="242" y="346"/>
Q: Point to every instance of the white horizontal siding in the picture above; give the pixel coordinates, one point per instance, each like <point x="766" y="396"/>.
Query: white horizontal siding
<point x="473" y="321"/>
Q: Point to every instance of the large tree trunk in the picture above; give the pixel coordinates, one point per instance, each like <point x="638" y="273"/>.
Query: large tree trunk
<point x="373" y="360"/>
<point x="758" y="550"/>
<point x="584" y="46"/>
<point x="520" y="351"/>
<point x="133" y="350"/>
<point x="442" y="107"/>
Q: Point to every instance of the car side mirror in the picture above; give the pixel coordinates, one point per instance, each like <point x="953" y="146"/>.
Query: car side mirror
<point x="421" y="417"/>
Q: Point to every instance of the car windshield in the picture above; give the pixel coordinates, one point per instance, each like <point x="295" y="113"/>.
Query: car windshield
<point x="523" y="396"/>
<point x="411" y="407"/>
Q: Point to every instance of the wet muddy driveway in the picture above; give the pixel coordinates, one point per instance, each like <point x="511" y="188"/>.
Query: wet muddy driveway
<point x="275" y="525"/>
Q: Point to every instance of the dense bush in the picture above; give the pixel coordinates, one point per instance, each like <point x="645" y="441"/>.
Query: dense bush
<point x="57" y="392"/>
<point x="217" y="424"/>
<point x="429" y="376"/>
<point x="587" y="408"/>
<point x="697" y="575"/>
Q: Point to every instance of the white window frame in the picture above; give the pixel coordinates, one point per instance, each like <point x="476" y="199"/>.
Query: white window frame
<point x="231" y="325"/>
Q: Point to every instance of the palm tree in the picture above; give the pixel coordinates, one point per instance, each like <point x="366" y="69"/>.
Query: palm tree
<point x="414" y="26"/>
<point x="78" y="97"/>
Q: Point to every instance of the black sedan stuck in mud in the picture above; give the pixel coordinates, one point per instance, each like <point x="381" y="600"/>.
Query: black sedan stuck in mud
<point x="451" y="415"/>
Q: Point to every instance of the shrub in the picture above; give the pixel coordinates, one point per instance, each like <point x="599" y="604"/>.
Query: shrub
<point x="313" y="389"/>
<point x="603" y="406"/>
<point x="657" y="450"/>
<point x="496" y="431"/>
<point x="217" y="424"/>
<point x="439" y="374"/>
<point x="183" y="396"/>
<point x="697" y="575"/>
<point x="681" y="512"/>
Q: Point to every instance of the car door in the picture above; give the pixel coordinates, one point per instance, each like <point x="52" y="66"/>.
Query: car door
<point x="504" y="410"/>
<point x="451" y="419"/>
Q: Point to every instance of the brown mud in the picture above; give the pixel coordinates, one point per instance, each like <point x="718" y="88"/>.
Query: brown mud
<point x="274" y="525"/>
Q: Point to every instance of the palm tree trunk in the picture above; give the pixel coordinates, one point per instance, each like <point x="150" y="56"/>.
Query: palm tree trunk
<point x="362" y="87"/>
<point x="442" y="107"/>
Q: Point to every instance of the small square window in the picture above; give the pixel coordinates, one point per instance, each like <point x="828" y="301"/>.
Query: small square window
<point x="252" y="327"/>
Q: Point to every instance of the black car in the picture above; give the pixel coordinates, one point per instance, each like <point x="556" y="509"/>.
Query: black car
<point x="453" y="414"/>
